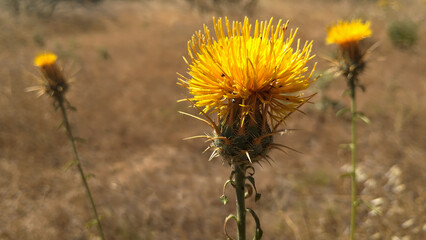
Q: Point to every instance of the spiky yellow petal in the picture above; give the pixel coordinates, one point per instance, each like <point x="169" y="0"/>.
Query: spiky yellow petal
<point x="248" y="66"/>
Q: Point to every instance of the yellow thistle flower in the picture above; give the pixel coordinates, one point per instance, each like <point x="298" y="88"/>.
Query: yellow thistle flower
<point x="347" y="35"/>
<point x="248" y="70"/>
<point x="251" y="78"/>
<point x="345" y="32"/>
<point x="53" y="81"/>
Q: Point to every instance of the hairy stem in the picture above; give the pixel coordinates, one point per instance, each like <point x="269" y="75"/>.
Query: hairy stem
<point x="78" y="163"/>
<point x="241" y="208"/>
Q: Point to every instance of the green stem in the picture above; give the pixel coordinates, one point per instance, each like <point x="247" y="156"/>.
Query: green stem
<point x="241" y="208"/>
<point x="354" y="201"/>
<point x="80" y="168"/>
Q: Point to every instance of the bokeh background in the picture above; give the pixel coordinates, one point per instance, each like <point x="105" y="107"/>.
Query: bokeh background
<point x="149" y="183"/>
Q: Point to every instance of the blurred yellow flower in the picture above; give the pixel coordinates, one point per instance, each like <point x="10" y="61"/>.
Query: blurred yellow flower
<point x="44" y="59"/>
<point x="254" y="70"/>
<point x="345" y="32"/>
<point x="53" y="81"/>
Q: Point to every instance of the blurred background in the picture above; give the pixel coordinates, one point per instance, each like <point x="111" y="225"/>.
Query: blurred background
<point x="149" y="184"/>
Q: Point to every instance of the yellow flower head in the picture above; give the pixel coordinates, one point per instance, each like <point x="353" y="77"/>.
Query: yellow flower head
<point x="252" y="78"/>
<point x="44" y="59"/>
<point x="53" y="81"/>
<point x="249" y="67"/>
<point x="345" y="32"/>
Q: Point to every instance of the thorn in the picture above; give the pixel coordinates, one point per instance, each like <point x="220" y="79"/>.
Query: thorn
<point x="284" y="146"/>
<point x="205" y="150"/>
<point x="214" y="154"/>
<point x="199" y="136"/>
<point x="297" y="109"/>
<point x="267" y="158"/>
<point x="248" y="156"/>
<point x="198" y="118"/>
<point x="211" y="123"/>
<point x="286" y="130"/>
<point x="286" y="153"/>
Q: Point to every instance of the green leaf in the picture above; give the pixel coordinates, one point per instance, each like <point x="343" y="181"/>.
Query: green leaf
<point x="341" y="112"/>
<point x="251" y="179"/>
<point x="363" y="118"/>
<point x="92" y="222"/>
<point x="345" y="145"/>
<point x="90" y="175"/>
<point x="70" y="164"/>
<point x="259" y="231"/>
<point x="224" y="199"/>
<point x="61" y="124"/>
<point x="231" y="216"/>
<point x="371" y="207"/>
<point x="357" y="203"/>
<point x="259" y="234"/>
<point x="72" y="109"/>
<point x="345" y="175"/>
<point x="257" y="197"/>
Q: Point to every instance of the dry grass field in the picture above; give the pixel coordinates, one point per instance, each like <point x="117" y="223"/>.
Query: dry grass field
<point x="152" y="185"/>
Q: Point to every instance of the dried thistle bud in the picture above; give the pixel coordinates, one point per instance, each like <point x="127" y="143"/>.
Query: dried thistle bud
<point x="54" y="82"/>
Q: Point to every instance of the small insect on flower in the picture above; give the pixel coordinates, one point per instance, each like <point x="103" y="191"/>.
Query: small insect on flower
<point x="53" y="81"/>
<point x="251" y="78"/>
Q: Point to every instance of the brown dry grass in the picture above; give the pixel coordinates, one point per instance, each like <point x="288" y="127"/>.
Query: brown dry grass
<point x="152" y="185"/>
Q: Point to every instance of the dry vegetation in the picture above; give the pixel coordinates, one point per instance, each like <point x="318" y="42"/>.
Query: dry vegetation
<point x="152" y="185"/>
